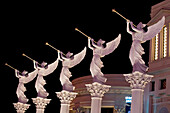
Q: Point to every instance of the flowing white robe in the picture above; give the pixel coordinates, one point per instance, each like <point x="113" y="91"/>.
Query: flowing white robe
<point x="40" y="82"/>
<point x="21" y="88"/>
<point x="98" y="53"/>
<point x="138" y="37"/>
<point x="65" y="73"/>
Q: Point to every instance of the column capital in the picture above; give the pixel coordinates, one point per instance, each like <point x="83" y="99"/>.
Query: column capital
<point x="66" y="97"/>
<point x="97" y="90"/>
<point x="41" y="103"/>
<point x="21" y="107"/>
<point x="138" y="80"/>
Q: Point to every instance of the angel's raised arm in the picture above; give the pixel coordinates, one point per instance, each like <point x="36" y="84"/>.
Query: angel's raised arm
<point x="17" y="73"/>
<point x="35" y="64"/>
<point x="59" y="57"/>
<point x="89" y="45"/>
<point x="134" y="28"/>
<point x="127" y="28"/>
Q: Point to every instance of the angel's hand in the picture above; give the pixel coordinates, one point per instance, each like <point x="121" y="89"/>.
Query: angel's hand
<point x="92" y="39"/>
<point x="128" y="21"/>
<point x="131" y="22"/>
<point x="17" y="71"/>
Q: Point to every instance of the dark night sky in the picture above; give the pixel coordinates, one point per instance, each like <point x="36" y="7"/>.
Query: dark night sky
<point x="25" y="27"/>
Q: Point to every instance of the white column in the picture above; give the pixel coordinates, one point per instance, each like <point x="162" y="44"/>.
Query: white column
<point x="97" y="91"/>
<point x="66" y="98"/>
<point x="96" y="104"/>
<point x="137" y="100"/>
<point x="41" y="104"/>
<point x="20" y="107"/>
<point x="137" y="82"/>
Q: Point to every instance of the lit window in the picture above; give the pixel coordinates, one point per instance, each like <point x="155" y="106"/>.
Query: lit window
<point x="156" y="48"/>
<point x="165" y="41"/>
<point x="128" y="99"/>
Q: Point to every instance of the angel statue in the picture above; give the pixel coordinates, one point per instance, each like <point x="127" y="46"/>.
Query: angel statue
<point x="69" y="61"/>
<point x="43" y="70"/>
<point x="24" y="78"/>
<point x="98" y="52"/>
<point x="139" y="35"/>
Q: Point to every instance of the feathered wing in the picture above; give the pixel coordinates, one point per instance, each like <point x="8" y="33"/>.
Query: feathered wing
<point x="154" y="29"/>
<point x="51" y="68"/>
<point x="111" y="46"/>
<point x="30" y="77"/>
<point x="77" y="58"/>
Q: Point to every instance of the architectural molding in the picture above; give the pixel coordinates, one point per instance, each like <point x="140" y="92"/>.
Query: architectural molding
<point x="41" y="103"/>
<point x="97" y="90"/>
<point x="159" y="15"/>
<point x="66" y="97"/>
<point x="138" y="80"/>
<point x="21" y="107"/>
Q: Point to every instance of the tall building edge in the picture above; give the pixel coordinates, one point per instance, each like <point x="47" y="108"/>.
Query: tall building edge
<point x="157" y="93"/>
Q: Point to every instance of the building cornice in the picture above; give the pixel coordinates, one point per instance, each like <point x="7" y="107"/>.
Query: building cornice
<point x="159" y="15"/>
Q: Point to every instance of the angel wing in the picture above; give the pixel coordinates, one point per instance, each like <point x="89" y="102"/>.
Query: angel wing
<point x="51" y="68"/>
<point x="111" y="46"/>
<point x="154" y="29"/>
<point x="30" y="77"/>
<point x="77" y="58"/>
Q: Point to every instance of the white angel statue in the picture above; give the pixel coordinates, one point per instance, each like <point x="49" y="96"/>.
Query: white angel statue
<point x="140" y="36"/>
<point x="43" y="70"/>
<point x="68" y="62"/>
<point x="24" y="78"/>
<point x="98" y="52"/>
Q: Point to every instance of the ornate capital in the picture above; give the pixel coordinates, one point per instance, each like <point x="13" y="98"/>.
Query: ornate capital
<point x="20" y="107"/>
<point x="66" y="97"/>
<point x="97" y="90"/>
<point x="41" y="103"/>
<point x="138" y="80"/>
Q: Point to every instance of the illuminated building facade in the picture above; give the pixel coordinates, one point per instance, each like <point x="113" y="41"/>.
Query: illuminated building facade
<point x="157" y="93"/>
<point x="117" y="100"/>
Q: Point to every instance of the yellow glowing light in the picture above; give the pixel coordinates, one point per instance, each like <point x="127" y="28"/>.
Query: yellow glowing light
<point x="156" y="47"/>
<point x="165" y="41"/>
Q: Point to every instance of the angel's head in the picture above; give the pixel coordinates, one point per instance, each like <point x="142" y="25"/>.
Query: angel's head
<point x="100" y="43"/>
<point x="69" y="55"/>
<point x="25" y="73"/>
<point x="44" y="65"/>
<point x="142" y="26"/>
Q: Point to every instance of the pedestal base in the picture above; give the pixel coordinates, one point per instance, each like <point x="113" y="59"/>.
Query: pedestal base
<point x="40" y="103"/>
<point x="97" y="91"/>
<point x="66" y="98"/>
<point x="20" y="107"/>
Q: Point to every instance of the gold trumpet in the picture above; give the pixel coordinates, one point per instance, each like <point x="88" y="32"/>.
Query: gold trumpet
<point x="29" y="58"/>
<point x="83" y="34"/>
<point x="11" y="67"/>
<point x="113" y="10"/>
<point x="54" y="48"/>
